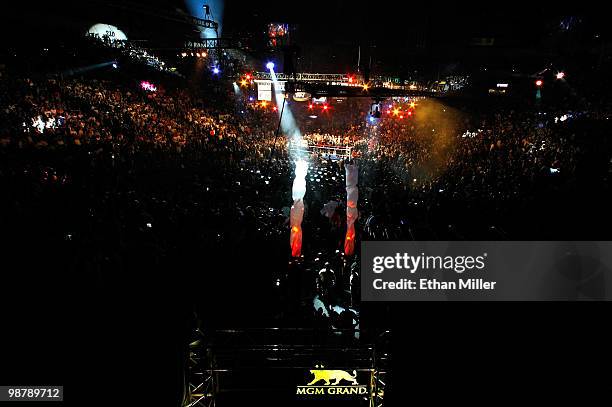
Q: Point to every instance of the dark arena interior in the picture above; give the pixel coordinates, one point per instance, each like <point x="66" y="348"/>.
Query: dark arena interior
<point x="186" y="186"/>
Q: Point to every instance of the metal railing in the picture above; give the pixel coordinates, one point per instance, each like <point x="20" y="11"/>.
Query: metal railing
<point x="334" y="151"/>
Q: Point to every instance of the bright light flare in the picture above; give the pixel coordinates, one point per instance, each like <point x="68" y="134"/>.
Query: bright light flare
<point x="560" y="75"/>
<point x="366" y="86"/>
<point x="539" y="82"/>
<point x="270" y="65"/>
<point x="396" y="111"/>
<point x="216" y="70"/>
<point x="148" y="86"/>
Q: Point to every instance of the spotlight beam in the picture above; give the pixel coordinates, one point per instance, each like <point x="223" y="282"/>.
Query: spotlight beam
<point x="87" y="68"/>
<point x="289" y="126"/>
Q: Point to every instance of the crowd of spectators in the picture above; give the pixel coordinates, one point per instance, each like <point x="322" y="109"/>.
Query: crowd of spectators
<point x="159" y="177"/>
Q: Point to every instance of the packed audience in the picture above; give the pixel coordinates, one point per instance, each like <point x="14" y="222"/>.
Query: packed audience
<point x="170" y="174"/>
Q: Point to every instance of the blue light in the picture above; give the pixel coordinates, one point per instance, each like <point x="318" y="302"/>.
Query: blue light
<point x="215" y="70"/>
<point x="270" y="65"/>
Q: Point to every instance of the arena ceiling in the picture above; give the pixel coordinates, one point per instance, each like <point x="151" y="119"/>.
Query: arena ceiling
<point x="397" y="35"/>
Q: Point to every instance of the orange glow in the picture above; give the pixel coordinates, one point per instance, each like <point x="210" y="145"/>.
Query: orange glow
<point x="409" y="113"/>
<point x="396" y="111"/>
<point x="295" y="241"/>
<point x="248" y="77"/>
<point x="243" y="82"/>
<point x="264" y="103"/>
<point x="366" y="86"/>
<point x="412" y="105"/>
<point x="349" y="241"/>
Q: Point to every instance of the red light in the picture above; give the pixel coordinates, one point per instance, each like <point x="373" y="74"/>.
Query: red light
<point x="248" y="77"/>
<point x="350" y="79"/>
<point x="325" y="107"/>
<point x="539" y="82"/>
<point x="310" y="106"/>
<point x="409" y="113"/>
<point x="402" y="116"/>
<point x="274" y="108"/>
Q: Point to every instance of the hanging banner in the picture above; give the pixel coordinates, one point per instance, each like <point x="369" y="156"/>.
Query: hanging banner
<point x="352" y="196"/>
<point x="297" y="209"/>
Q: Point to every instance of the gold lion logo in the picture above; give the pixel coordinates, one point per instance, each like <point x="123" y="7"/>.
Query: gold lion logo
<point x="335" y="375"/>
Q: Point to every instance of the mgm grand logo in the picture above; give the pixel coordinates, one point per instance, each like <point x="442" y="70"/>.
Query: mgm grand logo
<point x="332" y="382"/>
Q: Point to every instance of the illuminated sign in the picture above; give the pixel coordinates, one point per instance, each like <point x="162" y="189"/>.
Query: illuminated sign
<point x="327" y="382"/>
<point x="301" y="96"/>
<point x="276" y="33"/>
<point x="277" y="30"/>
<point x="108" y="31"/>
<point x="264" y="89"/>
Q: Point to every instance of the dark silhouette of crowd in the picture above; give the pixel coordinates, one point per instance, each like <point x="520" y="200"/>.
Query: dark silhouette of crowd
<point x="125" y="179"/>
